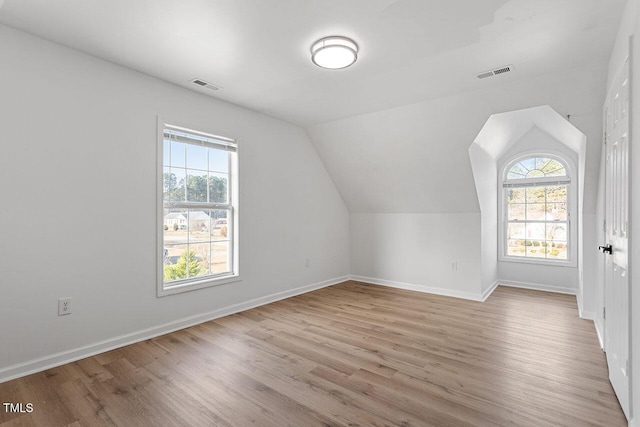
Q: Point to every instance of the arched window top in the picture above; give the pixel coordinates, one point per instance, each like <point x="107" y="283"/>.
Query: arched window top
<point x="535" y="167"/>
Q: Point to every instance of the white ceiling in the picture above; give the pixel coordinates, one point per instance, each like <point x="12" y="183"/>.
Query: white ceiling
<point x="258" y="50"/>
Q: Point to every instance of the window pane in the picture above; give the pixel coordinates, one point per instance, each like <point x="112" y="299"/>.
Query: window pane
<point x="536" y="212"/>
<point x="536" y="250"/>
<point x="178" y="194"/>
<point x="166" y="152"/>
<point x="199" y="264"/>
<point x="220" y="258"/>
<point x="220" y="225"/>
<point x="516" y="212"/>
<point x="196" y="186"/>
<point x="516" y="231"/>
<point x="218" y="188"/>
<point x="557" y="250"/>
<point x="541" y="162"/>
<point x="175" y="262"/>
<point x="516" y="195"/>
<point x="557" y="193"/>
<point x="218" y="160"/>
<point x="557" y="231"/>
<point x="196" y="157"/>
<point x="528" y="164"/>
<point x="557" y="211"/>
<point x="177" y="154"/>
<point x="553" y="168"/>
<point x="535" y="174"/>
<point x="198" y="226"/>
<point x="516" y="248"/>
<point x="535" y="231"/>
<point x="535" y="194"/>
<point x="169" y="183"/>
<point x="175" y="226"/>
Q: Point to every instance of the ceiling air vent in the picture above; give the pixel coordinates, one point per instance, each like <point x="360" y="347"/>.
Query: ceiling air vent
<point x="495" y="72"/>
<point x="208" y="85"/>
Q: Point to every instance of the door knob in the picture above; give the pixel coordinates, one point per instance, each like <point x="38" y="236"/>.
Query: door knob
<point x="606" y="249"/>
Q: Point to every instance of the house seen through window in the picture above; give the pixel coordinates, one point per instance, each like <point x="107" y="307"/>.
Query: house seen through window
<point x="536" y="209"/>
<point x="197" y="207"/>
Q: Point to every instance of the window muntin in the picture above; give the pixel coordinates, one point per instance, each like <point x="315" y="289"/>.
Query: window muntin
<point x="198" y="233"/>
<point x="536" y="167"/>
<point x="536" y="209"/>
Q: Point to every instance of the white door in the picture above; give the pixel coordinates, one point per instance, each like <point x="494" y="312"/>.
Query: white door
<point x="616" y="234"/>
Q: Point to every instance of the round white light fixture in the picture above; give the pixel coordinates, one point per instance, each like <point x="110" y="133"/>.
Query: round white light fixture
<point x="334" y="52"/>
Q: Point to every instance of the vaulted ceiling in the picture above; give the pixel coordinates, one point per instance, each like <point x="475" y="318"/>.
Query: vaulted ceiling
<point x="396" y="125"/>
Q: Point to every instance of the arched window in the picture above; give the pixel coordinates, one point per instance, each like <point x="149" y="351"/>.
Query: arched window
<point x="537" y="210"/>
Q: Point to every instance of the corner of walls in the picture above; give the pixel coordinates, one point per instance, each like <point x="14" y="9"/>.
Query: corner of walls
<point x="485" y="176"/>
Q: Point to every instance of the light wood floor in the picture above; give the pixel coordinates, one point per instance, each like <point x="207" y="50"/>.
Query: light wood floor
<point x="349" y="355"/>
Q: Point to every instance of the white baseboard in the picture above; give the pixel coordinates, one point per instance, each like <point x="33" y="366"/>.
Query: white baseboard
<point x="419" y="288"/>
<point x="538" y="287"/>
<point x="600" y="340"/>
<point x="57" y="359"/>
<point x="584" y="314"/>
<point x="589" y="315"/>
<point x="487" y="293"/>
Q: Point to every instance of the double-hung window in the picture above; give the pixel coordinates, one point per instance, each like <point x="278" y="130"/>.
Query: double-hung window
<point x="537" y="210"/>
<point x="198" y="210"/>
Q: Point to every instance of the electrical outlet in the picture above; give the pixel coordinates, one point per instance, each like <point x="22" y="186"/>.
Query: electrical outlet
<point x="454" y="265"/>
<point x="306" y="262"/>
<point x="64" y="306"/>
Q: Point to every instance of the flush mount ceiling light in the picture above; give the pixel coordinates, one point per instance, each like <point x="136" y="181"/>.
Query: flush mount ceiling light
<point x="334" y="52"/>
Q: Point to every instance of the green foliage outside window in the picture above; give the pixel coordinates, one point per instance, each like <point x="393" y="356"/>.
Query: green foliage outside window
<point x="179" y="269"/>
<point x="196" y="188"/>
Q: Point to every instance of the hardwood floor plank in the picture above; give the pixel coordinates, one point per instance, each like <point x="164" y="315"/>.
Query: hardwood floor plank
<point x="351" y="354"/>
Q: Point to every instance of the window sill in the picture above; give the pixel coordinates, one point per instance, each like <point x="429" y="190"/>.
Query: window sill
<point x="548" y="263"/>
<point x="201" y="284"/>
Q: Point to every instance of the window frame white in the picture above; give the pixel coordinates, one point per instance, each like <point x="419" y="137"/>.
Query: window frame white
<point x="164" y="289"/>
<point x="572" y="206"/>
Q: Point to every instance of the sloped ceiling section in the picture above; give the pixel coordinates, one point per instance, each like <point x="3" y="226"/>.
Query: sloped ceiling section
<point x="502" y="131"/>
<point x="415" y="158"/>
<point x="505" y="129"/>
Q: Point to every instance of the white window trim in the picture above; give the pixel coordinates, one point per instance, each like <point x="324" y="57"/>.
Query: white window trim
<point x="572" y="202"/>
<point x="205" y="282"/>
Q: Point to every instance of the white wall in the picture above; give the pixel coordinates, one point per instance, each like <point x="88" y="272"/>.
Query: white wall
<point x="630" y="25"/>
<point x="634" y="262"/>
<point x="591" y="262"/>
<point x="485" y="177"/>
<point x="78" y="174"/>
<point x="562" y="279"/>
<point x="416" y="250"/>
<point x="599" y="259"/>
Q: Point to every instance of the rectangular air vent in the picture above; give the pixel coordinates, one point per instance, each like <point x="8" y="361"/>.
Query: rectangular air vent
<point x="495" y="72"/>
<point x="203" y="83"/>
<point x="485" y="75"/>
